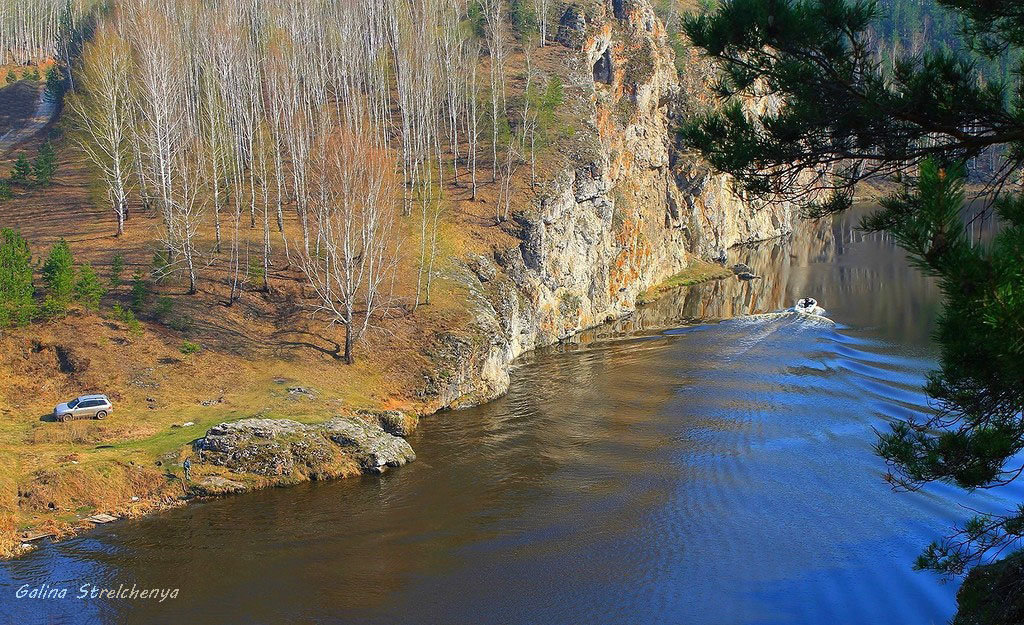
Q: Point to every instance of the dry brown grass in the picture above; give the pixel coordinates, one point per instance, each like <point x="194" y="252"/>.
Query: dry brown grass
<point x="54" y="474"/>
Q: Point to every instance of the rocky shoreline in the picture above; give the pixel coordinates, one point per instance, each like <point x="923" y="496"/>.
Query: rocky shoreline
<point x="627" y="210"/>
<point x="235" y="457"/>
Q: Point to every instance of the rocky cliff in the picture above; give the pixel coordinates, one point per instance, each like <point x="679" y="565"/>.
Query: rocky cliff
<point x="629" y="209"/>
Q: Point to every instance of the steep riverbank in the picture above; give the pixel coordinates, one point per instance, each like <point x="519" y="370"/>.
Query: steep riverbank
<point x="642" y="458"/>
<point x="622" y="210"/>
<point x="236" y="457"/>
<point x="629" y="210"/>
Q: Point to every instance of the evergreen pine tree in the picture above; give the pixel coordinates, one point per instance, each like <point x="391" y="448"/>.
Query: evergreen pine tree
<point x="59" y="277"/>
<point x="88" y="288"/>
<point x="22" y="170"/>
<point x="140" y="293"/>
<point x="45" y="165"/>
<point x="54" y="84"/>
<point x="17" y="306"/>
<point x="116" y="269"/>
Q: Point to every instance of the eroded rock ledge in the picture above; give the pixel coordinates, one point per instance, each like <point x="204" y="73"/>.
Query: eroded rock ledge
<point x="286" y="450"/>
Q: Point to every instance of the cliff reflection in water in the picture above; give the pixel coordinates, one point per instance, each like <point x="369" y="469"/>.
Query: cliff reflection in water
<point x="857" y="289"/>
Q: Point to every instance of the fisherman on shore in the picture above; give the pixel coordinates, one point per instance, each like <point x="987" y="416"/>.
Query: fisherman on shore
<point x="188" y="468"/>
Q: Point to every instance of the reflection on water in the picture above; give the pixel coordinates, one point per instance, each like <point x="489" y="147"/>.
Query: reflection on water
<point x="707" y="474"/>
<point x="861" y="279"/>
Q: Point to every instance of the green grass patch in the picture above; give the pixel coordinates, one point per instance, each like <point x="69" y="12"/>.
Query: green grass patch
<point x="698" y="271"/>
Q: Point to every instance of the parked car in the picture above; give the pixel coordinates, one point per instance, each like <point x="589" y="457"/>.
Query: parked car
<point x="84" y="407"/>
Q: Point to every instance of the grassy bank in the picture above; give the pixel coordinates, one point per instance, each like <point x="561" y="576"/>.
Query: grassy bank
<point x="200" y="358"/>
<point x="698" y="271"/>
<point x="54" y="475"/>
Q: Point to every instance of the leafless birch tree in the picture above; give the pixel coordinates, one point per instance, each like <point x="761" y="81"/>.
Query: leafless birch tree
<point x="354" y="222"/>
<point x="103" y="114"/>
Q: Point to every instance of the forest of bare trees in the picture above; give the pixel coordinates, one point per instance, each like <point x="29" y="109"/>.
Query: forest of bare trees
<point x="32" y="31"/>
<point x="323" y="131"/>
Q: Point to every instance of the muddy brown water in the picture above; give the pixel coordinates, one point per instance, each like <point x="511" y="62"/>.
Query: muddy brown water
<point x="654" y="471"/>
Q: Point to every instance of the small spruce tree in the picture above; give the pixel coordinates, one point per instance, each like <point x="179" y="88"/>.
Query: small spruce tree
<point x="5" y="191"/>
<point x="88" y="288"/>
<point x="116" y="269"/>
<point x="45" y="165"/>
<point x="54" y="84"/>
<point x="140" y="293"/>
<point x="11" y="77"/>
<point x="59" y="277"/>
<point x="22" y="170"/>
<point x="17" y="307"/>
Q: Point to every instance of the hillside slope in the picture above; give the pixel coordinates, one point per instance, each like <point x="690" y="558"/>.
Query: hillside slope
<point x="618" y="209"/>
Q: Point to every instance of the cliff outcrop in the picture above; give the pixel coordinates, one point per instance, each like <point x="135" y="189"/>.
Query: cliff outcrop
<point x="629" y="209"/>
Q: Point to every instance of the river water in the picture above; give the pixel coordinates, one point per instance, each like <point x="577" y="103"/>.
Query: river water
<point x="667" y="469"/>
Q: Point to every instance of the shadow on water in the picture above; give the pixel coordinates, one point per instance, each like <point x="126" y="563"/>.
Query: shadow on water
<point x="653" y="471"/>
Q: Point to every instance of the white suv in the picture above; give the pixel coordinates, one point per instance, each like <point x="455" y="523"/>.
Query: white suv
<point x="85" y="407"/>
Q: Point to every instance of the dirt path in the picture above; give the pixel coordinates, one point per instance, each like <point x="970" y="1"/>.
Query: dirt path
<point x="24" y="111"/>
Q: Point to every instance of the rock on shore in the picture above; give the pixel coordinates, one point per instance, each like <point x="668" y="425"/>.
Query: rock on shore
<point x="288" y="449"/>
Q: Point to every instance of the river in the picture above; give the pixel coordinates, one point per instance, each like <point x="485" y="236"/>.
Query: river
<point x="666" y="469"/>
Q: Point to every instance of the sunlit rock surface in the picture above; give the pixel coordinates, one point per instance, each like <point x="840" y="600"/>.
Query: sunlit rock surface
<point x="282" y="448"/>
<point x="628" y="210"/>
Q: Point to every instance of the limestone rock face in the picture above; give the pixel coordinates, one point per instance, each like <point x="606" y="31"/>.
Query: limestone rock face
<point x="289" y="449"/>
<point x="572" y="27"/>
<point x="393" y="422"/>
<point x="374" y="449"/>
<point x="628" y="209"/>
